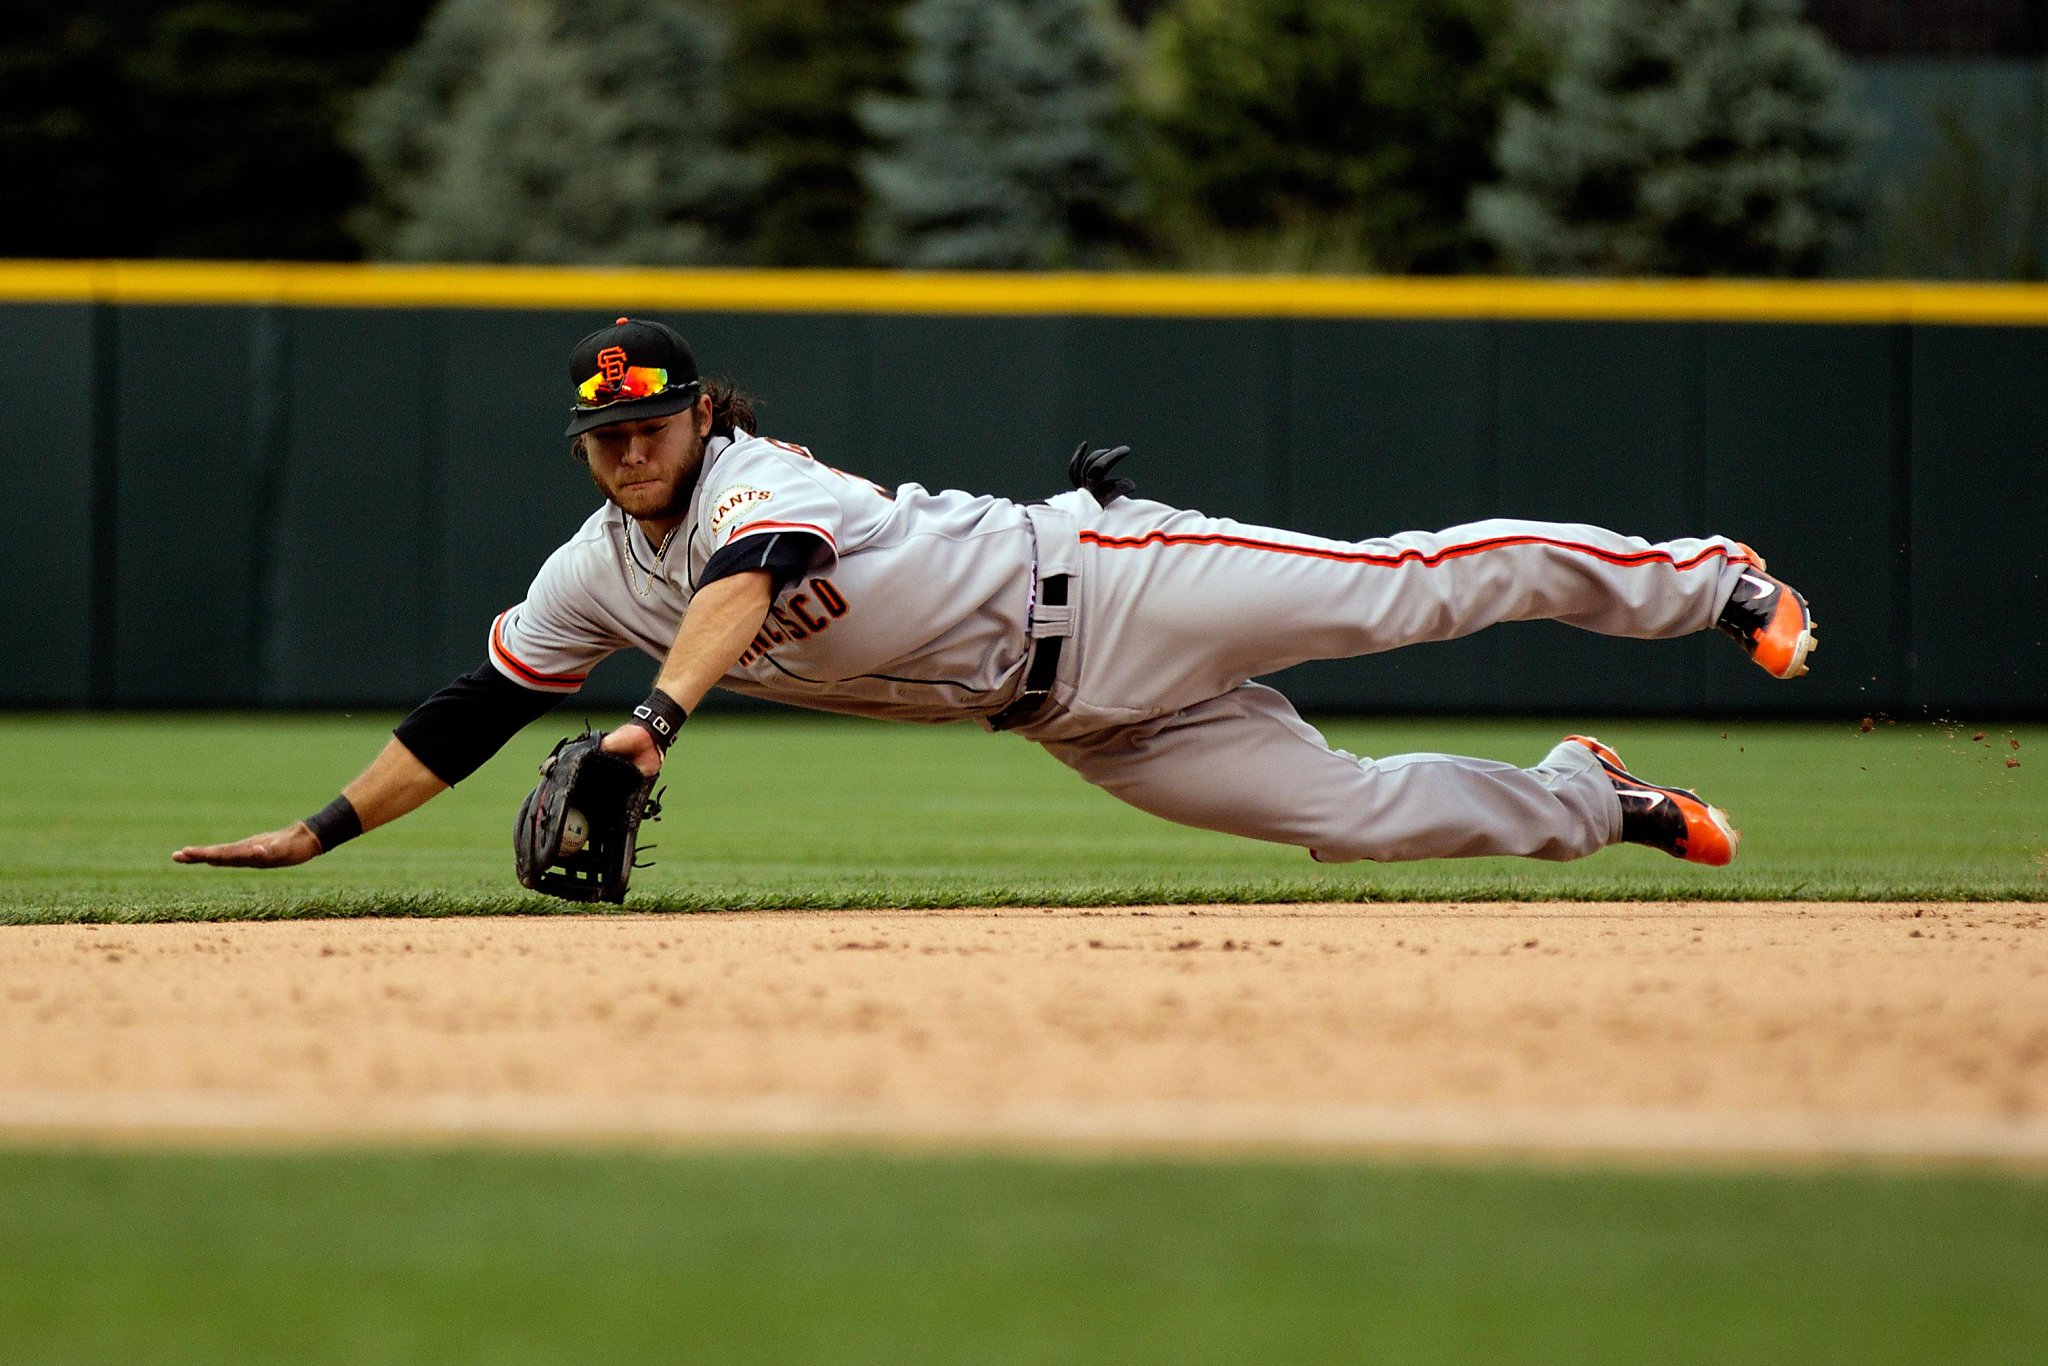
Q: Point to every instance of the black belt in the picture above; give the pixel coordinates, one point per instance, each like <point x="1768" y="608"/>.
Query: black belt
<point x="1044" y="665"/>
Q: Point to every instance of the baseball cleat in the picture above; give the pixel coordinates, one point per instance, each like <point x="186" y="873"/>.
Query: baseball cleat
<point x="1769" y="619"/>
<point x="1679" y="822"/>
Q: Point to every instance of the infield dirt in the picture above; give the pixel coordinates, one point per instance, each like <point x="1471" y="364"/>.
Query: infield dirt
<point x="1761" y="1028"/>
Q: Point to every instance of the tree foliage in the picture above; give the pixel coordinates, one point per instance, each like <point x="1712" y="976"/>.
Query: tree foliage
<point x="1978" y="209"/>
<point x="1007" y="152"/>
<point x="555" y="131"/>
<point x="55" y="135"/>
<point x="1680" y="137"/>
<point x="799" y="69"/>
<point x="188" y="127"/>
<point x="1363" y="127"/>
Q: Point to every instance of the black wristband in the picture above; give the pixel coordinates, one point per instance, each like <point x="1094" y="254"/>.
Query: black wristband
<point x="335" y="824"/>
<point x="661" y="716"/>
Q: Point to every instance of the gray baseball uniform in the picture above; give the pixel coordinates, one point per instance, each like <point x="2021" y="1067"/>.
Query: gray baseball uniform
<point x="925" y="606"/>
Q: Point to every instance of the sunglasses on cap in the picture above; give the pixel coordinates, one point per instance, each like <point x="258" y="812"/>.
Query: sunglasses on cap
<point x="618" y="382"/>
<point x="604" y="388"/>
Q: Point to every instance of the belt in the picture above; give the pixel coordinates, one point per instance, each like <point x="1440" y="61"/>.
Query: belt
<point x="1044" y="665"/>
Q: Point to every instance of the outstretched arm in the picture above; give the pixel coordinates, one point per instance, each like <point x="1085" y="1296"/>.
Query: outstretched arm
<point x="395" y="782"/>
<point x="444" y="740"/>
<point x="722" y="622"/>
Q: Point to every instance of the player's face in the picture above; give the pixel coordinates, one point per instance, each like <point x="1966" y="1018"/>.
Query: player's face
<point x="649" y="467"/>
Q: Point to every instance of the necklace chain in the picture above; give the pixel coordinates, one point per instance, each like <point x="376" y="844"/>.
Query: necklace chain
<point x="632" y="561"/>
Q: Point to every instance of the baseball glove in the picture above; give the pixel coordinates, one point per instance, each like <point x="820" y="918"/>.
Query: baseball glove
<point x="613" y="797"/>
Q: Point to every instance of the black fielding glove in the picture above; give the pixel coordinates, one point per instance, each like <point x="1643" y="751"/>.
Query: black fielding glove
<point x="1090" y="470"/>
<point x="613" y="796"/>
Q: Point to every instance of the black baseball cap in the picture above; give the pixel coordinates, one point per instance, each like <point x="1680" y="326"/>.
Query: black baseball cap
<point x="629" y="371"/>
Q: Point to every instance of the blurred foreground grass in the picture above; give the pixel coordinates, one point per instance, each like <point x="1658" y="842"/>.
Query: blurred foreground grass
<point x="838" y="1258"/>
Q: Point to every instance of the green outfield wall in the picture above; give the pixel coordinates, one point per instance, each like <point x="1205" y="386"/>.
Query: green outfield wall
<point x="314" y="486"/>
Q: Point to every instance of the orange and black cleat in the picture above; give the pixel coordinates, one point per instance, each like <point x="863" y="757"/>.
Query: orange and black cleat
<point x="1768" y="618"/>
<point x="1679" y="822"/>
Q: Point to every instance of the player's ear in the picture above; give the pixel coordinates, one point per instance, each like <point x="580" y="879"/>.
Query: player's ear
<point x="576" y="450"/>
<point x="703" y="413"/>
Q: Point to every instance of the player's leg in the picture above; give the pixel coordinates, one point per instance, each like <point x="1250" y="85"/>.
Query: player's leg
<point x="1247" y="764"/>
<point x="1314" y="598"/>
<point x="1181" y="605"/>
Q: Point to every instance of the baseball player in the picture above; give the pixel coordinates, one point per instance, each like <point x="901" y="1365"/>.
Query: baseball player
<point x="1121" y="634"/>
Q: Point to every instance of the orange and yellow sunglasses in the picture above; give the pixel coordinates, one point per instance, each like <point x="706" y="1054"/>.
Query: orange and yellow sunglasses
<point x="604" y="388"/>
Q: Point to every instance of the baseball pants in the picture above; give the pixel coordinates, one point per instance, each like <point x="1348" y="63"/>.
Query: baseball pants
<point x="1178" y="611"/>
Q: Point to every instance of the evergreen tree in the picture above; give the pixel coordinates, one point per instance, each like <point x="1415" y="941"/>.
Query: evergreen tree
<point x="1976" y="208"/>
<point x="189" y="127"/>
<point x="1358" y="130"/>
<point x="1006" y="154"/>
<point x="59" y="144"/>
<point x="1680" y="137"/>
<point x="555" y="131"/>
<point x="800" y="66"/>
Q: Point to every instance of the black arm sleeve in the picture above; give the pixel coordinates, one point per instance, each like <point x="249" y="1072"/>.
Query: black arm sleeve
<point x="786" y="555"/>
<point x="468" y="721"/>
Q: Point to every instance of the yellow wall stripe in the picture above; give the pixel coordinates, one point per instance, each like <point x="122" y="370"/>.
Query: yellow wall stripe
<point x="857" y="291"/>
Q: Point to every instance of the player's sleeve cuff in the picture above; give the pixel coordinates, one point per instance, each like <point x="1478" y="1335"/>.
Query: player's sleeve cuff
<point x="807" y="528"/>
<point x="787" y="554"/>
<point x="525" y="674"/>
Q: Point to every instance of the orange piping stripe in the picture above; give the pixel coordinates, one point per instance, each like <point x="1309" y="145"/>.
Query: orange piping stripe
<point x="524" y="670"/>
<point x="1633" y="560"/>
<point x="784" y="526"/>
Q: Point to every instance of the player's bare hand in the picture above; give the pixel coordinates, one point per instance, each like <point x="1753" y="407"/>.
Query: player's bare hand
<point x="636" y="743"/>
<point x="277" y="849"/>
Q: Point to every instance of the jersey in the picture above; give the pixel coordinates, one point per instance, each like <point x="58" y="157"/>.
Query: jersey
<point x="914" y="606"/>
<point x="921" y="606"/>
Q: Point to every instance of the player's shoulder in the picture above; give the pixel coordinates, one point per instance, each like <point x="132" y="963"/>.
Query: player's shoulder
<point x="595" y="538"/>
<point x="746" y="455"/>
<point x="587" y="557"/>
<point x="750" y="476"/>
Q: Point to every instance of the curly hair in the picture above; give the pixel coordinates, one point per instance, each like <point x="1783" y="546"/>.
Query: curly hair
<point x="729" y="408"/>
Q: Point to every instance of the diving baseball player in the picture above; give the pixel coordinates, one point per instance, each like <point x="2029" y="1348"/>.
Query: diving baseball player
<point x="1121" y="634"/>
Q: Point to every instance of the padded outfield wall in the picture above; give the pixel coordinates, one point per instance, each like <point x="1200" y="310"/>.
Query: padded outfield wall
<point x="315" y="486"/>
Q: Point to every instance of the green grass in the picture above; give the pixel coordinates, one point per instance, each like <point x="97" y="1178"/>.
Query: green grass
<point x="808" y="813"/>
<point x="618" y="1258"/>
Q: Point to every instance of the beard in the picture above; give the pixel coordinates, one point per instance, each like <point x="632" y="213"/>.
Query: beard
<point x="656" y="501"/>
<point x="649" y="501"/>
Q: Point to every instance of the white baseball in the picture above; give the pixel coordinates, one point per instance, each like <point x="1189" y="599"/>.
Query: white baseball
<point x="575" y="831"/>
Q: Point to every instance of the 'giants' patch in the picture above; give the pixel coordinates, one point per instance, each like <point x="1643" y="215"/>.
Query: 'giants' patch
<point x="733" y="501"/>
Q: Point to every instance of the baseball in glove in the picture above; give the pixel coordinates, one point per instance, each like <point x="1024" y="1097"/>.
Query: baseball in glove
<point x="613" y="796"/>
